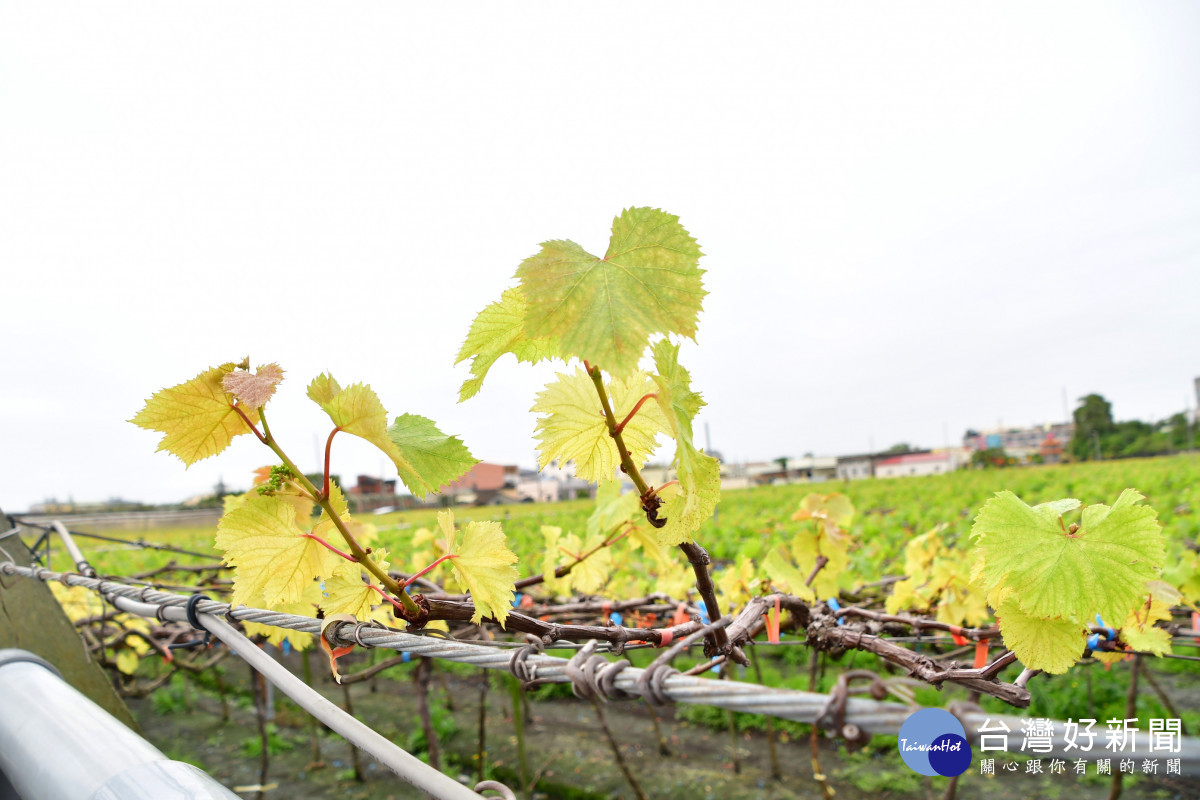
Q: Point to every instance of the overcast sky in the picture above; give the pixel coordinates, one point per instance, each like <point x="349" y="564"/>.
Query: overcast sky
<point x="918" y="218"/>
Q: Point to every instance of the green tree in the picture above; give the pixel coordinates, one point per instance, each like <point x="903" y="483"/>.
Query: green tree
<point x="1093" y="420"/>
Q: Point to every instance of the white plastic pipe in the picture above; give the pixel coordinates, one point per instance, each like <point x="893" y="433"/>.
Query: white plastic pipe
<point x="56" y="744"/>
<point x="407" y="766"/>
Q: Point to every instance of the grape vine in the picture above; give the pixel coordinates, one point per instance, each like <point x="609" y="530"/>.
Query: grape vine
<point x="1028" y="584"/>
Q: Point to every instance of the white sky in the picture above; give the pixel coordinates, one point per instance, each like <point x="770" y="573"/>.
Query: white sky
<point x="917" y="217"/>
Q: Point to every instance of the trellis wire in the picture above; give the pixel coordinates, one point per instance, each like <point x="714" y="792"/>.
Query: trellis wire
<point x="869" y="715"/>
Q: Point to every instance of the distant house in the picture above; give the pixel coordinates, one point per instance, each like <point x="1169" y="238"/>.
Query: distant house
<point x="484" y="476"/>
<point x="1023" y="443"/>
<point x="569" y="486"/>
<point x="800" y="469"/>
<point x="371" y="493"/>
<point x="533" y="487"/>
<point x="851" y="468"/>
<point x="1051" y="450"/>
<point x="916" y="464"/>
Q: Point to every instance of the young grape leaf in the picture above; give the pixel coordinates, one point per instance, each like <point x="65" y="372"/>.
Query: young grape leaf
<point x="808" y="545"/>
<point x="785" y="576"/>
<point x="1056" y="571"/>
<point x="1054" y="510"/>
<point x="738" y="584"/>
<point x="907" y="594"/>
<point x="197" y="418"/>
<point x="127" y="661"/>
<point x="425" y="458"/>
<point x="833" y="511"/>
<point x="1139" y="630"/>
<point x="348" y="593"/>
<point x="1148" y="640"/>
<point x="645" y="537"/>
<point x="481" y="562"/>
<point x="77" y="602"/>
<point x="434" y="458"/>
<point x="500" y="329"/>
<point x="699" y="475"/>
<point x="576" y="430"/>
<point x="688" y="506"/>
<point x="1049" y="644"/>
<point x="612" y="509"/>
<point x="604" y="310"/>
<point x="589" y="575"/>
<point x="272" y="558"/>
<point x="253" y="389"/>
<point x="550" y="535"/>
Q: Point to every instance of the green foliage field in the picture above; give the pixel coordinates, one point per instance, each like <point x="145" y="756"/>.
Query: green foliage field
<point x="890" y="512"/>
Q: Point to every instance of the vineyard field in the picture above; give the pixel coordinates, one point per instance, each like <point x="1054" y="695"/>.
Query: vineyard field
<point x="889" y="514"/>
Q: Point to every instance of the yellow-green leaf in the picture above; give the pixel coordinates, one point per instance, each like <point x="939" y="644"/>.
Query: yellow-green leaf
<point x="425" y="458"/>
<point x="127" y="661"/>
<point x="197" y="418"/>
<point x="576" y="430"/>
<point x="433" y="458"/>
<point x="1101" y="567"/>
<point x="590" y="574"/>
<point x="550" y="555"/>
<point x="483" y="563"/>
<point x="1052" y="645"/>
<point x="690" y="504"/>
<point x="500" y="329"/>
<point x="273" y="560"/>
<point x="699" y="475"/>
<point x="348" y="593"/>
<point x="612" y="510"/>
<point x="785" y="576"/>
<point x="604" y="310"/>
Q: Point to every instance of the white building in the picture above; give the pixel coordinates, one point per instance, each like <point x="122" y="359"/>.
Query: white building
<point x="935" y="463"/>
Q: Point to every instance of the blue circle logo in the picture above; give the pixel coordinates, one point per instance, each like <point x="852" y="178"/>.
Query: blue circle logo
<point x="933" y="742"/>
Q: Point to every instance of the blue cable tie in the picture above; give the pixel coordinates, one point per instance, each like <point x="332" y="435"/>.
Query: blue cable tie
<point x="516" y="603"/>
<point x="406" y="657"/>
<point x="287" y="647"/>
<point x="717" y="668"/>
<point x="704" y="620"/>
<point x="616" y="618"/>
<point x="1111" y="634"/>
<point x="1093" y="642"/>
<point x="835" y="607"/>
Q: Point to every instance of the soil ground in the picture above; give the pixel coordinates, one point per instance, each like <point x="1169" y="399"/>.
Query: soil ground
<point x="565" y="750"/>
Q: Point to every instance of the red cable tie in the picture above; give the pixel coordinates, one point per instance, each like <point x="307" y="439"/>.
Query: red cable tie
<point x="981" y="654"/>
<point x="526" y="601"/>
<point x="1196" y="620"/>
<point x="665" y="637"/>
<point x="606" y="609"/>
<point x="773" y="623"/>
<point x="681" y="615"/>
<point x="956" y="635"/>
